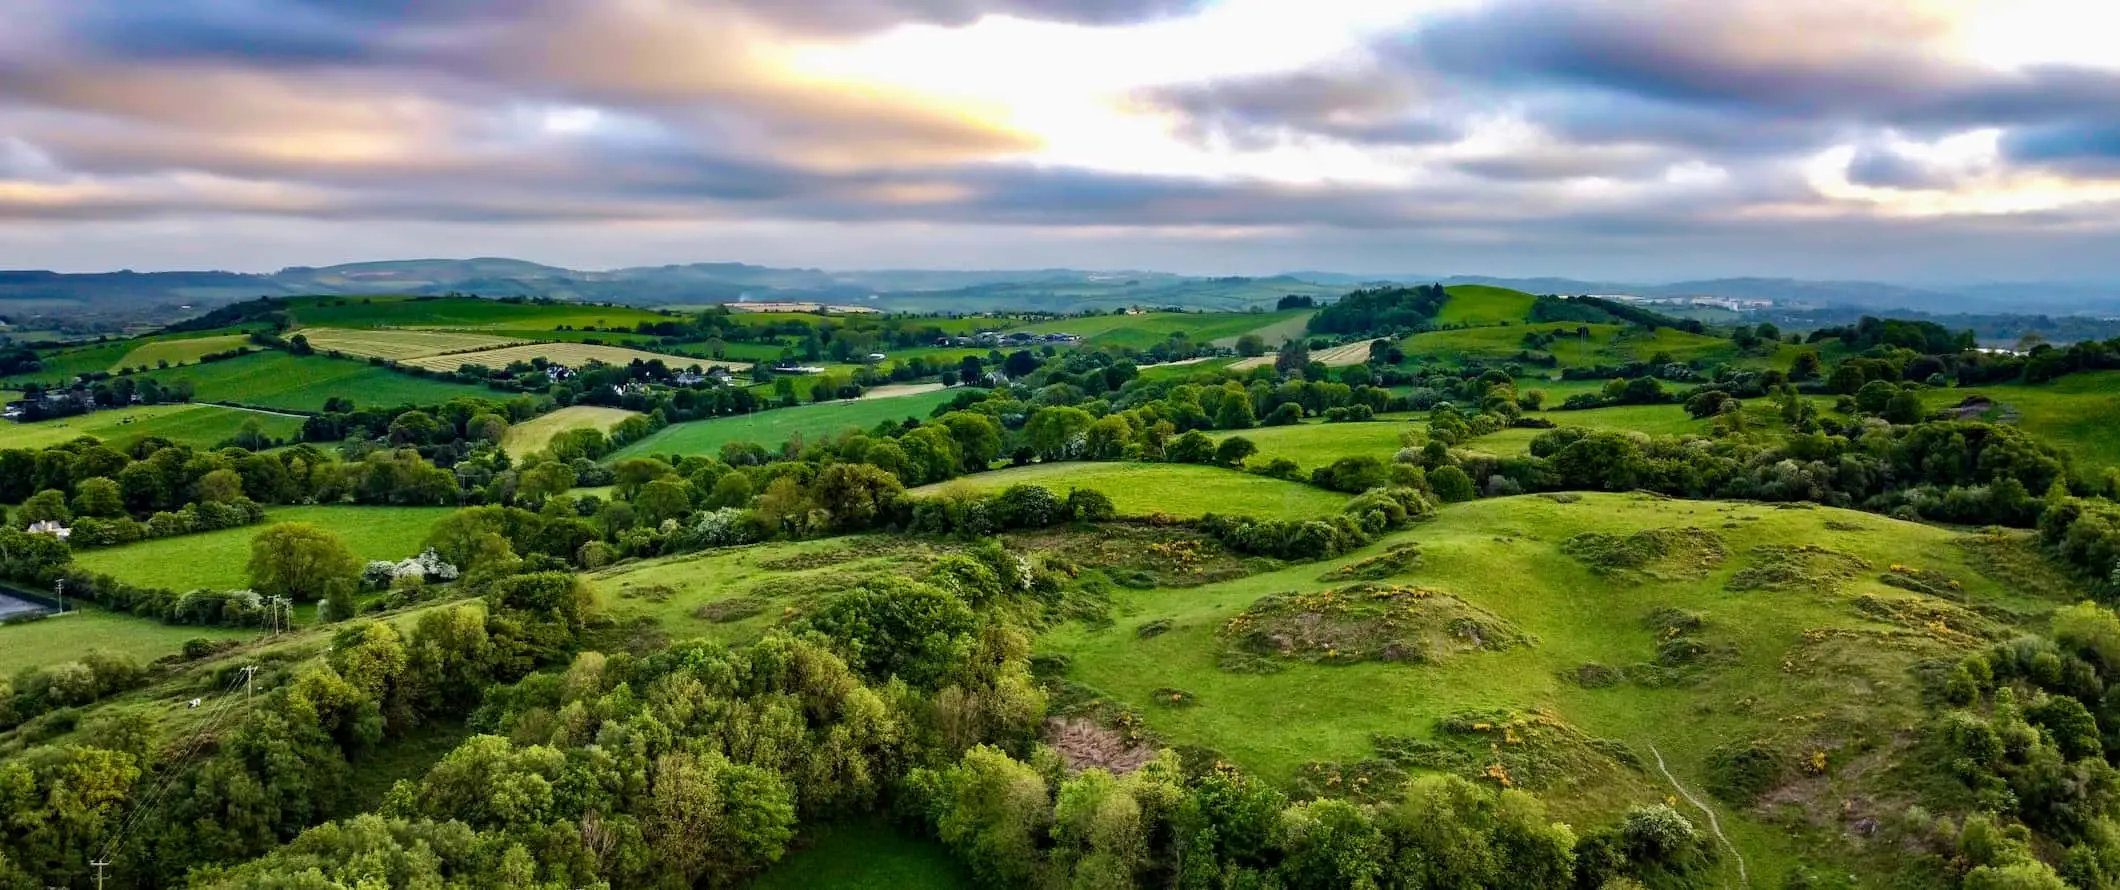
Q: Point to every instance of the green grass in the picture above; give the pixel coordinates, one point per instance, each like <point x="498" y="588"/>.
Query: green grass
<point x="1142" y="489"/>
<point x="781" y="579"/>
<point x="290" y="383"/>
<point x="772" y="427"/>
<point x="1606" y="345"/>
<point x="534" y="434"/>
<point x="1316" y="444"/>
<point x="2079" y="414"/>
<point x="1285" y="327"/>
<point x="1474" y="304"/>
<point x="63" y="365"/>
<point x="1151" y="328"/>
<point x="457" y="313"/>
<point x="176" y="351"/>
<point x="865" y="856"/>
<point x="202" y="426"/>
<point x="67" y="637"/>
<point x="217" y="559"/>
<point x="1504" y="555"/>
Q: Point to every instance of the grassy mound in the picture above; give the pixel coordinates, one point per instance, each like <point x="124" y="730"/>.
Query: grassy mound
<point x="1798" y="567"/>
<point x="1369" y="622"/>
<point x="1663" y="554"/>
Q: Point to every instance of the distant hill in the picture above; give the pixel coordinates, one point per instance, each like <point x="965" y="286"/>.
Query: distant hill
<point x="159" y="296"/>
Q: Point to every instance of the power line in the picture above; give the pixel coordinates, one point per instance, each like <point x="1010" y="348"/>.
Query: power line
<point x="174" y="767"/>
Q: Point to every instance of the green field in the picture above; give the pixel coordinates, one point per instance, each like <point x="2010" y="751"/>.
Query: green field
<point x="67" y="637"/>
<point x="458" y="313"/>
<point x="1143" y="489"/>
<point x="2079" y="413"/>
<point x="1473" y="304"/>
<point x="63" y="365"/>
<point x="531" y="435"/>
<point x="865" y="856"/>
<point x="202" y="426"/>
<point x="398" y="343"/>
<point x="1316" y="444"/>
<point x="772" y="427"/>
<point x="1606" y="345"/>
<point x="779" y="580"/>
<point x="1151" y="328"/>
<point x="177" y="351"/>
<point x="217" y="559"/>
<point x="290" y="383"/>
<point x="1780" y="679"/>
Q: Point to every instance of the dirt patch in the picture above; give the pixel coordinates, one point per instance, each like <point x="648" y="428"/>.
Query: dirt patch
<point x="1973" y="408"/>
<point x="1401" y="558"/>
<point x="1083" y="744"/>
<point x="1368" y="622"/>
<point x="1662" y="554"/>
<point x="1802" y="567"/>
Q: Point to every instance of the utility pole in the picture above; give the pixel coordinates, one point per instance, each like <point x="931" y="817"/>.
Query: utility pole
<point x="99" y="864"/>
<point x="59" y="586"/>
<point x="249" y="672"/>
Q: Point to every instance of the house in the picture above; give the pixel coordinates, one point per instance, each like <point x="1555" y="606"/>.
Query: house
<point x="689" y="378"/>
<point x="874" y="357"/>
<point x="50" y="527"/>
<point x="557" y="372"/>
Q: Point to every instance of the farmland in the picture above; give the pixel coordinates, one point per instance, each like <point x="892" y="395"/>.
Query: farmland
<point x="1505" y="556"/>
<point x="291" y="383"/>
<point x="63" y="638"/>
<point x="1472" y="304"/>
<point x="1150" y="328"/>
<point x="569" y="354"/>
<point x="63" y="365"/>
<point x="532" y="435"/>
<point x="177" y="351"/>
<point x="772" y="427"/>
<point x="502" y="318"/>
<point x="2079" y="413"/>
<point x="216" y="559"/>
<point x="1313" y="445"/>
<point x="202" y="426"/>
<point x="398" y="344"/>
<point x="1336" y="357"/>
<point x="1139" y="489"/>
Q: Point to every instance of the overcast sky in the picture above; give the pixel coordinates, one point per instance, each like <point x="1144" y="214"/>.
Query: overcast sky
<point x="1909" y="140"/>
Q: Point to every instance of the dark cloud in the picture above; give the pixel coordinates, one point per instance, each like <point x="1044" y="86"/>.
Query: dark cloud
<point x="1361" y="106"/>
<point x="2089" y="147"/>
<point x="1884" y="168"/>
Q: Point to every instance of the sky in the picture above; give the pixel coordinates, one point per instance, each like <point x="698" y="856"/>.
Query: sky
<point x="1922" y="141"/>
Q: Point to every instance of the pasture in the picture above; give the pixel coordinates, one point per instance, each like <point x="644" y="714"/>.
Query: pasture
<point x="1473" y="304"/>
<point x="83" y="629"/>
<point x="62" y="365"/>
<point x="772" y="427"/>
<point x="1336" y="357"/>
<point x="218" y="559"/>
<point x="1291" y="325"/>
<point x="1145" y="489"/>
<point x="1151" y="328"/>
<point x="302" y="383"/>
<point x="157" y="352"/>
<point x="1829" y="667"/>
<point x="398" y="344"/>
<point x="1316" y="444"/>
<point x="531" y="436"/>
<point x="502" y="318"/>
<point x="200" y="426"/>
<point x="573" y="355"/>
<point x="2079" y="414"/>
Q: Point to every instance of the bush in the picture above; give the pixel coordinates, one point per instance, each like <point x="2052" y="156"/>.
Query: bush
<point x="1451" y="484"/>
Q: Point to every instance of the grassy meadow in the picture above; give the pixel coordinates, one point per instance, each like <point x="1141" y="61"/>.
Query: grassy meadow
<point x="201" y="426"/>
<point x="459" y="313"/>
<point x="532" y="435"/>
<point x="1143" y="489"/>
<point x="1825" y="664"/>
<point x="570" y="354"/>
<point x="1316" y="444"/>
<point x="291" y="383"/>
<point x="772" y="427"/>
<point x="2079" y="413"/>
<point x="67" y="637"/>
<point x="1474" y="304"/>
<point x="177" y="350"/>
<point x="1151" y="328"/>
<point x="217" y="559"/>
<point x="398" y="344"/>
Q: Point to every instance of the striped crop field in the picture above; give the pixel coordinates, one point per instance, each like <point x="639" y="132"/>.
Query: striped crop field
<point x="399" y="344"/>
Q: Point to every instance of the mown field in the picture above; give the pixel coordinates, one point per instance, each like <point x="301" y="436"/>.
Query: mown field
<point x="63" y="365"/>
<point x="772" y="427"/>
<point x="67" y="637"/>
<point x="569" y="354"/>
<point x="217" y="559"/>
<point x="2079" y="413"/>
<point x="532" y="435"/>
<point x="1143" y="489"/>
<point x="201" y="426"/>
<point x="1336" y="357"/>
<point x="286" y="382"/>
<point x="1822" y="661"/>
<point x="398" y="344"/>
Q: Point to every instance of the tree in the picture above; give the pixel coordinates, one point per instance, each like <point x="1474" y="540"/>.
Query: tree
<point x="48" y="505"/>
<point x="1847" y="378"/>
<point x="1293" y="358"/>
<point x="1192" y="448"/>
<point x="1806" y="366"/>
<point x="414" y="428"/>
<point x="714" y="821"/>
<point x="1234" y="450"/>
<point x="857" y="496"/>
<point x="662" y="499"/>
<point x="1235" y="413"/>
<point x="627" y="476"/>
<point x="993" y="809"/>
<point x="301" y="561"/>
<point x="98" y="496"/>
<point x="1251" y="345"/>
<point x="1904" y="407"/>
<point x="1452" y="484"/>
<point x="1057" y="433"/>
<point x="221" y="486"/>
